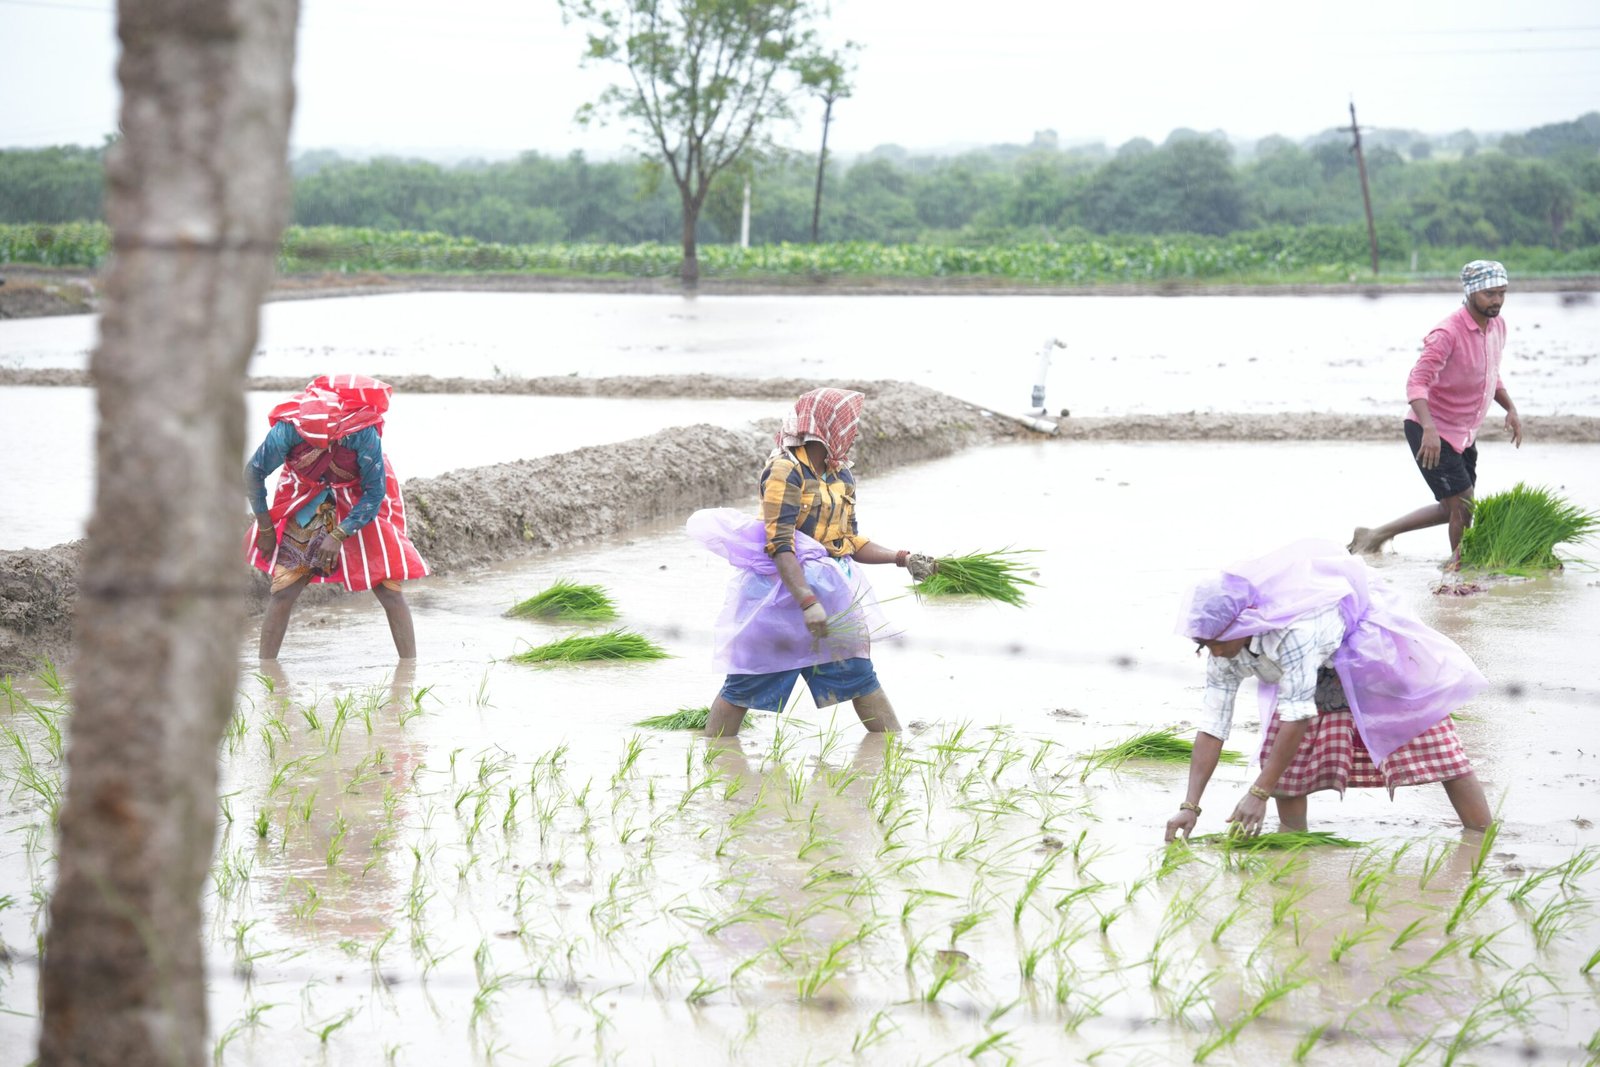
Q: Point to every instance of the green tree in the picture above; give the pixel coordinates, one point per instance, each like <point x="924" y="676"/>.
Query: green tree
<point x="827" y="77"/>
<point x="706" y="79"/>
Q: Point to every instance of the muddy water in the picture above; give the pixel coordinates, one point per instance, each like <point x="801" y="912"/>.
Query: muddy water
<point x="47" y="438"/>
<point x="809" y="892"/>
<point x="1135" y="354"/>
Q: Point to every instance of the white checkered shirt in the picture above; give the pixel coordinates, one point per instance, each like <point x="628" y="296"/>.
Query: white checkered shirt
<point x="1298" y="650"/>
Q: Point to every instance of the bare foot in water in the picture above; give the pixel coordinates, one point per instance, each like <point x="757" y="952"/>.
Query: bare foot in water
<point x="1362" y="544"/>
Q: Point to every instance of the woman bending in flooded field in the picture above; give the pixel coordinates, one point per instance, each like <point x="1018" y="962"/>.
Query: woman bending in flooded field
<point x="801" y="607"/>
<point x="337" y="515"/>
<point x="1355" y="690"/>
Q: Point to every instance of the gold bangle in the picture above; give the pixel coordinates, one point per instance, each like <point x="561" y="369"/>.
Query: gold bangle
<point x="1259" y="793"/>
<point x="1186" y="806"/>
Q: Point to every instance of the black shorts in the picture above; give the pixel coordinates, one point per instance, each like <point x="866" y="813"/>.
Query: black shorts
<point x="1456" y="472"/>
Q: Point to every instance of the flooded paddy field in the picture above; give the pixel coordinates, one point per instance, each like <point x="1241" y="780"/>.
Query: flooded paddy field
<point x="479" y="861"/>
<point x="47" y="437"/>
<point x="1125" y="354"/>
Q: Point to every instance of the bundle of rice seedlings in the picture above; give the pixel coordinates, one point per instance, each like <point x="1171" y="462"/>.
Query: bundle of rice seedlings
<point x="1515" y="532"/>
<point x="1278" y="840"/>
<point x="682" y="719"/>
<point x="568" y="600"/>
<point x="614" y="645"/>
<point x="1164" y="746"/>
<point x="993" y="575"/>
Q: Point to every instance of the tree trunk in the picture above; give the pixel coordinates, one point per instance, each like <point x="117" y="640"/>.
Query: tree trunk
<point x="196" y="197"/>
<point x="822" y="163"/>
<point x="690" y="272"/>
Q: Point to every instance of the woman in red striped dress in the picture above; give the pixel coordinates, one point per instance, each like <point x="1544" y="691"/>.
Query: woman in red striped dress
<point x="338" y="514"/>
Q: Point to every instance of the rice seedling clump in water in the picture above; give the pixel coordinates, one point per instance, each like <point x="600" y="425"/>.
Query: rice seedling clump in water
<point x="1280" y="840"/>
<point x="682" y="719"/>
<point x="1516" y="531"/>
<point x="615" y="645"/>
<point x="1162" y="745"/>
<point x="992" y="575"/>
<point x="568" y="600"/>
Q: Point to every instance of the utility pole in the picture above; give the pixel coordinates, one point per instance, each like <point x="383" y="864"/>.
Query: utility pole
<point x="1366" y="195"/>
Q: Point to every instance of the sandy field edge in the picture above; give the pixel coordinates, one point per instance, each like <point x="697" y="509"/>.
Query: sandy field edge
<point x="473" y="517"/>
<point x="35" y="291"/>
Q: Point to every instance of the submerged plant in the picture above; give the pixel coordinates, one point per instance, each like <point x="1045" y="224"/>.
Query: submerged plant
<point x="992" y="575"/>
<point x="1164" y="746"/>
<point x="682" y="719"/>
<point x="1516" y="531"/>
<point x="568" y="600"/>
<point x="614" y="645"/>
<point x="1278" y="840"/>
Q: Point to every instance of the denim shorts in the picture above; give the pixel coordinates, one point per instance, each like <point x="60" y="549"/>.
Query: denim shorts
<point x="831" y="683"/>
<point x="1455" y="473"/>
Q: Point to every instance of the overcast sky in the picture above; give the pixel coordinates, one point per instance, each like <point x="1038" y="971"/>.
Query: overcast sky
<point x="497" y="77"/>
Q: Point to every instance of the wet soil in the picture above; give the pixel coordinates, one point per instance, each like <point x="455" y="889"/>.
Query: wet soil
<point x="32" y="298"/>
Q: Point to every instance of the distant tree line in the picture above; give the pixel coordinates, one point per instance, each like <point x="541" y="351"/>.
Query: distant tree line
<point x="1539" y="188"/>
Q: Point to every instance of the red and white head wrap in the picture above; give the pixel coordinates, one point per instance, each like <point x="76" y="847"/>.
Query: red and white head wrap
<point x="832" y="416"/>
<point x="334" y="406"/>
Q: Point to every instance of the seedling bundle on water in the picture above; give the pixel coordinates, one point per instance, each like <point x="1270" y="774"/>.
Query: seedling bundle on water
<point x="1516" y="531"/>
<point x="682" y="719"/>
<point x="568" y="600"/>
<point x="1281" y="840"/>
<point x="1164" y="746"/>
<point x="993" y="575"/>
<point x="613" y="646"/>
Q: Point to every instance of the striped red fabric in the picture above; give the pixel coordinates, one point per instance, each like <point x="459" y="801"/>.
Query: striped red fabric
<point x="834" y="415"/>
<point x="381" y="550"/>
<point x="334" y="406"/>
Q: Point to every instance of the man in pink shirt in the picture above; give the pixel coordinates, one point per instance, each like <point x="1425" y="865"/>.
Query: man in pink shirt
<point x="1449" y="391"/>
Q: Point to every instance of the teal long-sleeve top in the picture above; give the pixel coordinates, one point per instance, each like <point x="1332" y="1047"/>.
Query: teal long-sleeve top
<point x="275" y="448"/>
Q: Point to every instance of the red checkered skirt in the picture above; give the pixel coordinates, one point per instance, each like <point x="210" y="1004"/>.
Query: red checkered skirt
<point x="1333" y="756"/>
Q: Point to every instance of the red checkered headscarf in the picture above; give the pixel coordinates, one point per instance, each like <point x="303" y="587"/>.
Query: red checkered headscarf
<point x="831" y="415"/>
<point x="334" y="406"/>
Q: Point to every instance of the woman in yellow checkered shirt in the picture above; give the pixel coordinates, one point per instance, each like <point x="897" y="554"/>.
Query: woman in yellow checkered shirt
<point x="800" y="608"/>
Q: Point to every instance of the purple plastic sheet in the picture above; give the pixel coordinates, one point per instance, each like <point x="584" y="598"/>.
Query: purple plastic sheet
<point x="760" y="629"/>
<point x="1400" y="675"/>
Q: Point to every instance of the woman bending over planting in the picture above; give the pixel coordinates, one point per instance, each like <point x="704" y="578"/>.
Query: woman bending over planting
<point x="337" y="515"/>
<point x="1355" y="691"/>
<point x="800" y="606"/>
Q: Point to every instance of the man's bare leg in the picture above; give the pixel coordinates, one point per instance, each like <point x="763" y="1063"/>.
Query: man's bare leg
<point x="1368" y="541"/>
<point x="875" y="712"/>
<point x="1460" y="518"/>
<point x="1292" y="813"/>
<point x="401" y="627"/>
<point x="1466" y="796"/>
<point x="725" y="718"/>
<point x="276" y="620"/>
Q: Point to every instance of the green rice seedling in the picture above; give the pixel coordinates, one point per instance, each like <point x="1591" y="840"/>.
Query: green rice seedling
<point x="1278" y="840"/>
<point x="1556" y="917"/>
<point x="568" y="601"/>
<point x="1349" y="939"/>
<point x="1480" y="949"/>
<point x="614" y="646"/>
<point x="682" y="719"/>
<point x="328" y="1027"/>
<point x="1162" y="746"/>
<point x="1412" y="929"/>
<point x="1308" y="1042"/>
<point x="878" y="1027"/>
<point x="1474" y="897"/>
<point x="1485" y="848"/>
<point x="998" y="576"/>
<point x="1594" y="961"/>
<point x="1195" y="994"/>
<point x="1582" y="862"/>
<point x="1516" y="532"/>
<point x="1432" y="862"/>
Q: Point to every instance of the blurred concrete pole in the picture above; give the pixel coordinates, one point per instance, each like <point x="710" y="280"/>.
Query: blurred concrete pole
<point x="1366" y="196"/>
<point x="744" y="220"/>
<point x="196" y="195"/>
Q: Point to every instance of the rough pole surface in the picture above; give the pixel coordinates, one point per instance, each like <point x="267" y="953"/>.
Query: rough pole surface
<point x="196" y="196"/>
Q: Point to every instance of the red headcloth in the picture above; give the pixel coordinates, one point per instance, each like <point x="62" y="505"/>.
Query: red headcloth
<point x="334" y="406"/>
<point x="832" y="415"/>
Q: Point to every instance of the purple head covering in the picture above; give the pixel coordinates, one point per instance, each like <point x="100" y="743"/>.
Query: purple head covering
<point x="1400" y="675"/>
